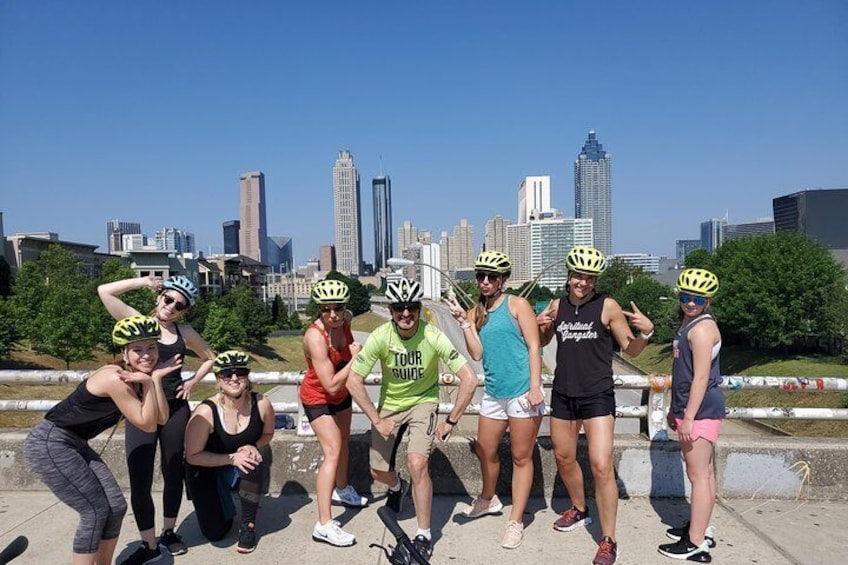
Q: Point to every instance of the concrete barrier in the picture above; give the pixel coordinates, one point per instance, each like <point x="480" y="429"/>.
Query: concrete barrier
<point x="765" y="468"/>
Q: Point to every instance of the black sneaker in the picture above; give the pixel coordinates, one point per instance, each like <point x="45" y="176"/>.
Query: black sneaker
<point x="423" y="546"/>
<point x="142" y="555"/>
<point x="394" y="499"/>
<point x="173" y="543"/>
<point x="677" y="533"/>
<point x="685" y="549"/>
<point x="247" y="538"/>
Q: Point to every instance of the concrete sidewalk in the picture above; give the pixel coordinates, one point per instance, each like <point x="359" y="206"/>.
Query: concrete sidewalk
<point x="756" y="532"/>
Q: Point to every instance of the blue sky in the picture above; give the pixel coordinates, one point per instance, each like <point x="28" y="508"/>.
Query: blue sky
<point x="149" y="111"/>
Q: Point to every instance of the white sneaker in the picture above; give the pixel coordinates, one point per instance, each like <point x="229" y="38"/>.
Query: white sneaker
<point x="349" y="497"/>
<point x="332" y="533"/>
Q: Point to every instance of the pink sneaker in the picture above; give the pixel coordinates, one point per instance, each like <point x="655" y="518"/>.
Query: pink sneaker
<point x="513" y="535"/>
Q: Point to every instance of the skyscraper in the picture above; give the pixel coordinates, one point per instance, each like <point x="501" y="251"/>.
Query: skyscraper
<point x="549" y="241"/>
<point x="347" y="214"/>
<point x="712" y="233"/>
<point x="496" y="234"/>
<point x="534" y="198"/>
<point x="231" y="237"/>
<point x="115" y="230"/>
<point x="327" y="258"/>
<point x="462" y="252"/>
<point x="760" y="226"/>
<point x="819" y="214"/>
<point x="253" y="233"/>
<point x="175" y="239"/>
<point x="518" y="249"/>
<point x="382" y="189"/>
<point x="592" y="191"/>
<point x="407" y="235"/>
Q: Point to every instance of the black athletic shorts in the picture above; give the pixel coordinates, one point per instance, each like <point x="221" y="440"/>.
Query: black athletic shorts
<point x="314" y="411"/>
<point x="582" y="407"/>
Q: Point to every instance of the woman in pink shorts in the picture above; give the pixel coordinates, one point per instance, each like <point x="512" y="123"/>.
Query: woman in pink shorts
<point x="697" y="409"/>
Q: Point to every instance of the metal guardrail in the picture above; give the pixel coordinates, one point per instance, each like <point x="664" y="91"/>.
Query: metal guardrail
<point x="655" y="410"/>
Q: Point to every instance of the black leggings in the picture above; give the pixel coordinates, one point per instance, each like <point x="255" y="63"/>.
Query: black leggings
<point x="141" y="453"/>
<point x="209" y="489"/>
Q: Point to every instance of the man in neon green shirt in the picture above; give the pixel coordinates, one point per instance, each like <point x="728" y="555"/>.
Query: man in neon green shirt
<point x="409" y="351"/>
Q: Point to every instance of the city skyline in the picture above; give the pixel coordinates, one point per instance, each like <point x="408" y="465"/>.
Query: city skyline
<point x="708" y="109"/>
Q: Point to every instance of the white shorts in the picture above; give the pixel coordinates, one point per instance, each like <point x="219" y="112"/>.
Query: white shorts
<point x="505" y="408"/>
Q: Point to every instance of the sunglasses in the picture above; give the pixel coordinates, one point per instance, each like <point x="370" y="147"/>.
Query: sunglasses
<point x="686" y="298"/>
<point x="328" y="309"/>
<point x="483" y="275"/>
<point x="180" y="306"/>
<point x="240" y="373"/>
<point x="411" y="306"/>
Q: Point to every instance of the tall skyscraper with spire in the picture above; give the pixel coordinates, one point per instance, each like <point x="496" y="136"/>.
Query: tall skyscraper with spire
<point x="382" y="188"/>
<point x="592" y="191"/>
<point x="253" y="227"/>
<point x="347" y="217"/>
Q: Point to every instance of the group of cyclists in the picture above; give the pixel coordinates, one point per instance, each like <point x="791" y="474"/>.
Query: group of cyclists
<point x="219" y="447"/>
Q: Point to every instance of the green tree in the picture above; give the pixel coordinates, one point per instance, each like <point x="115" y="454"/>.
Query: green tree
<point x="656" y="301"/>
<point x="279" y="313"/>
<point x="52" y="306"/>
<point x="197" y="314"/>
<point x="223" y="330"/>
<point x="252" y="315"/>
<point x="617" y="276"/>
<point x="360" y="301"/>
<point x="778" y="291"/>
<point x="143" y="300"/>
<point x="8" y="331"/>
<point x="294" y="322"/>
<point x="699" y="259"/>
<point x="5" y="276"/>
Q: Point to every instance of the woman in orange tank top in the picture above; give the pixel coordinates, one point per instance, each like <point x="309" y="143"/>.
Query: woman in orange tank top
<point x="329" y="348"/>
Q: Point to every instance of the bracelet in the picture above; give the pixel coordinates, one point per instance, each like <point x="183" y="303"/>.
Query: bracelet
<point x="648" y="336"/>
<point x="449" y="421"/>
<point x="465" y="325"/>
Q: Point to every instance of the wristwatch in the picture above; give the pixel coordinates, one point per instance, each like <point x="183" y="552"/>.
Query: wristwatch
<point x="647" y="336"/>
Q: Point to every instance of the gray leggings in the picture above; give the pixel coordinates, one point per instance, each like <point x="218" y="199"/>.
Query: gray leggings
<point x="80" y="479"/>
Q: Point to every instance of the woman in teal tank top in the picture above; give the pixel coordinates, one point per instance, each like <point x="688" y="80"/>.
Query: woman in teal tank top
<point x="502" y="331"/>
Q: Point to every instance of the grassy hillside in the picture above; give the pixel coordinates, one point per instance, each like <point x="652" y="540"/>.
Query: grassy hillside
<point x="742" y="361"/>
<point x="283" y="353"/>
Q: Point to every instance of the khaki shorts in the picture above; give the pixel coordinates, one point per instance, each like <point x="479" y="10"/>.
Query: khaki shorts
<point x="420" y="420"/>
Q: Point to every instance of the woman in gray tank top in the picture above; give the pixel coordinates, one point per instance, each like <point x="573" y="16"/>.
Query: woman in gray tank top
<point x="697" y="409"/>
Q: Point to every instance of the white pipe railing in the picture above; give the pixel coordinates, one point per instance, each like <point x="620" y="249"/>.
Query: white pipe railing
<point x="654" y="412"/>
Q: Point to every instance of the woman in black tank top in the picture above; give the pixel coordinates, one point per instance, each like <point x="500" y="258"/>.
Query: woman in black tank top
<point x="174" y="297"/>
<point x="223" y="442"/>
<point x="57" y="449"/>
<point x="584" y="323"/>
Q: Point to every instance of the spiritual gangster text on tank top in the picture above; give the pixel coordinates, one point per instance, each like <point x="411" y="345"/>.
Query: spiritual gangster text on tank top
<point x="584" y="348"/>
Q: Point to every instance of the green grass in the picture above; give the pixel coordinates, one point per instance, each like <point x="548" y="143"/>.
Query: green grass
<point x="283" y="353"/>
<point x="737" y="360"/>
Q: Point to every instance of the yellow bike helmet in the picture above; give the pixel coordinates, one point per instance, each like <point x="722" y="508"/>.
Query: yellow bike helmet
<point x="231" y="359"/>
<point x="330" y="292"/>
<point x="699" y="282"/>
<point x="586" y="260"/>
<point x="493" y="261"/>
<point x="135" y="328"/>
